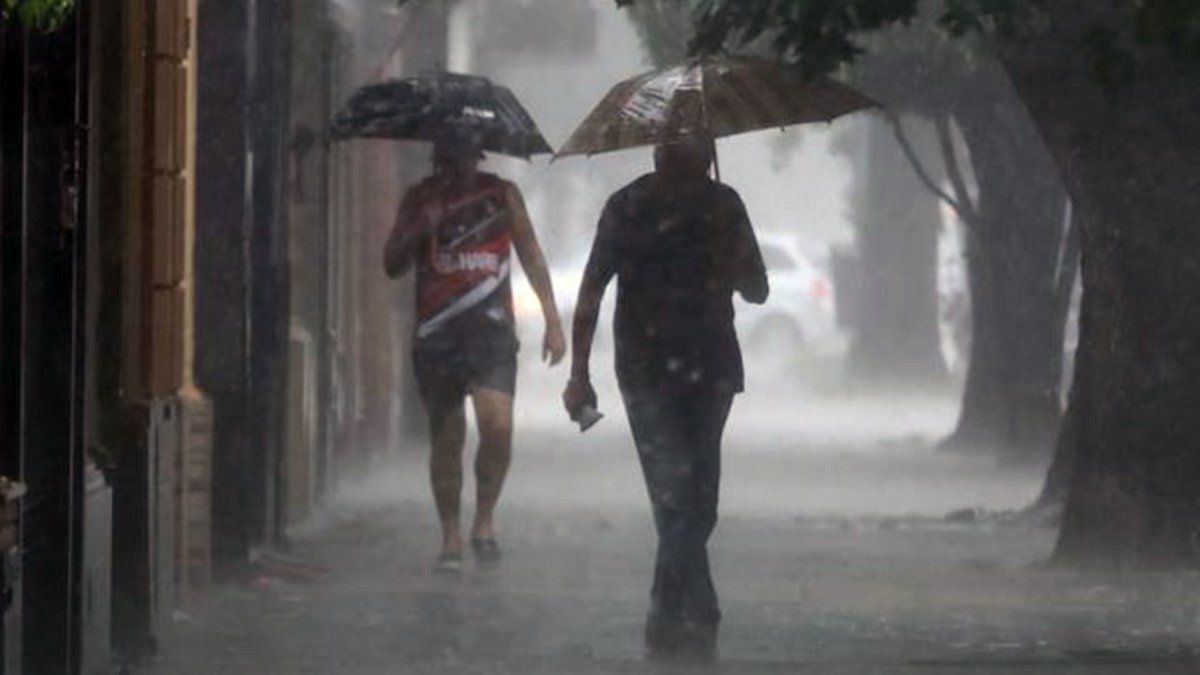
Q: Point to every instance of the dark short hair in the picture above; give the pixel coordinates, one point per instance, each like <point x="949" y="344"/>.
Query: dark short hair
<point x="696" y="148"/>
<point x="458" y="144"/>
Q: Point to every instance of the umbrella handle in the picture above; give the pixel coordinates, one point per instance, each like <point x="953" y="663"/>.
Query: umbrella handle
<point x="712" y="139"/>
<point x="444" y="60"/>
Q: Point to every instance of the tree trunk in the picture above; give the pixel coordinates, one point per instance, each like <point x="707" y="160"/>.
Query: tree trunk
<point x="1022" y="267"/>
<point x="895" y="337"/>
<point x="1132" y="165"/>
<point x="1058" y="478"/>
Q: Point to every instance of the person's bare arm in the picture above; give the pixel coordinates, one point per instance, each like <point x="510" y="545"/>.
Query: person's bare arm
<point x="596" y="275"/>
<point x="587" y="315"/>
<point x="401" y="249"/>
<point x="529" y="252"/>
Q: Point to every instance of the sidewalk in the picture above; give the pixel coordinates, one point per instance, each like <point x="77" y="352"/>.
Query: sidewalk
<point x="802" y="590"/>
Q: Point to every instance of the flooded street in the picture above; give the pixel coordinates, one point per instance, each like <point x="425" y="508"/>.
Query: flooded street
<point x="831" y="556"/>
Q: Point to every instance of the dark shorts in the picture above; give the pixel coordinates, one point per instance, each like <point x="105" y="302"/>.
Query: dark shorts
<point x="456" y="360"/>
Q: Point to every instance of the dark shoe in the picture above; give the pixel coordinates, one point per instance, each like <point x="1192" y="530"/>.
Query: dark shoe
<point x="700" y="642"/>
<point x="449" y="564"/>
<point x="486" y="550"/>
<point x="666" y="637"/>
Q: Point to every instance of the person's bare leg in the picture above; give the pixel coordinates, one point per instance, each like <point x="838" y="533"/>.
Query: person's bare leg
<point x="448" y="431"/>
<point x="494" y="413"/>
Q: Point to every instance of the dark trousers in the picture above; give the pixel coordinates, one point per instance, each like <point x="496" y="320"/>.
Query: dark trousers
<point x="678" y="437"/>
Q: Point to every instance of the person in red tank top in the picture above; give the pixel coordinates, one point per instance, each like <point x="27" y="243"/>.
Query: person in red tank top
<point x="457" y="228"/>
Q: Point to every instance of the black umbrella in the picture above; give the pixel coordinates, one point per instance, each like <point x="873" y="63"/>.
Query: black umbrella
<point x="425" y="107"/>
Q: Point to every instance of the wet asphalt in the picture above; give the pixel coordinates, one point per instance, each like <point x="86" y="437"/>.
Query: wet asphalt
<point x="830" y="558"/>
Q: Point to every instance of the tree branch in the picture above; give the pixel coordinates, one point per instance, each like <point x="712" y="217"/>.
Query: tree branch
<point x="911" y="155"/>
<point x="954" y="171"/>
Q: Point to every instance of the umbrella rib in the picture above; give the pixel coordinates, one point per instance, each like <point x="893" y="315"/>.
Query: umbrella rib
<point x="735" y="111"/>
<point x="738" y="94"/>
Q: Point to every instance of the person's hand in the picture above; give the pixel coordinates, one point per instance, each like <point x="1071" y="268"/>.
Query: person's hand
<point x="554" y="344"/>
<point x="578" y="394"/>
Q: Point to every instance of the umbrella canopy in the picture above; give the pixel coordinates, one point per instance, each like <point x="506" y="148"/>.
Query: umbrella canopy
<point x="425" y="107"/>
<point x="712" y="97"/>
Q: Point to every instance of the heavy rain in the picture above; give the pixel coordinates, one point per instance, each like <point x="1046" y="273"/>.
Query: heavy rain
<point x="599" y="336"/>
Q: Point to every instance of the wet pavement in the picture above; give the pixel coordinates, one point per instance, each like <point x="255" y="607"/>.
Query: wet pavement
<point x="890" y="586"/>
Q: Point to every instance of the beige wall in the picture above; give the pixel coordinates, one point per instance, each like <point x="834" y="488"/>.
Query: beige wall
<point x="158" y="144"/>
<point x="160" y="196"/>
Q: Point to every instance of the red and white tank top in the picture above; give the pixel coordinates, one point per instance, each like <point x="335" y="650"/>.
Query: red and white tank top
<point x="465" y="265"/>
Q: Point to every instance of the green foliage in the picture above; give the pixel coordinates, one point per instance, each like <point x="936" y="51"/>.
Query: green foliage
<point x="1175" y="24"/>
<point x="919" y="68"/>
<point x="1165" y="26"/>
<point x="41" y="15"/>
<point x="960" y="17"/>
<point x="819" y="35"/>
<point x="1111" y="62"/>
<point x="822" y="35"/>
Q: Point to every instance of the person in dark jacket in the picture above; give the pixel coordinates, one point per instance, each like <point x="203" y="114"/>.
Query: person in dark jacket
<point x="680" y="245"/>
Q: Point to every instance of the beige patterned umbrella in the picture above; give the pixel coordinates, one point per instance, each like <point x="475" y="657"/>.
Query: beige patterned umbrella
<point x="713" y="97"/>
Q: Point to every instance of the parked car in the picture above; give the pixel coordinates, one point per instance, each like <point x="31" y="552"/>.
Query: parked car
<point x="799" y="313"/>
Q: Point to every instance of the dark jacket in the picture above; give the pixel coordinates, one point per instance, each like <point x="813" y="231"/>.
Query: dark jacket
<point x="679" y="251"/>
